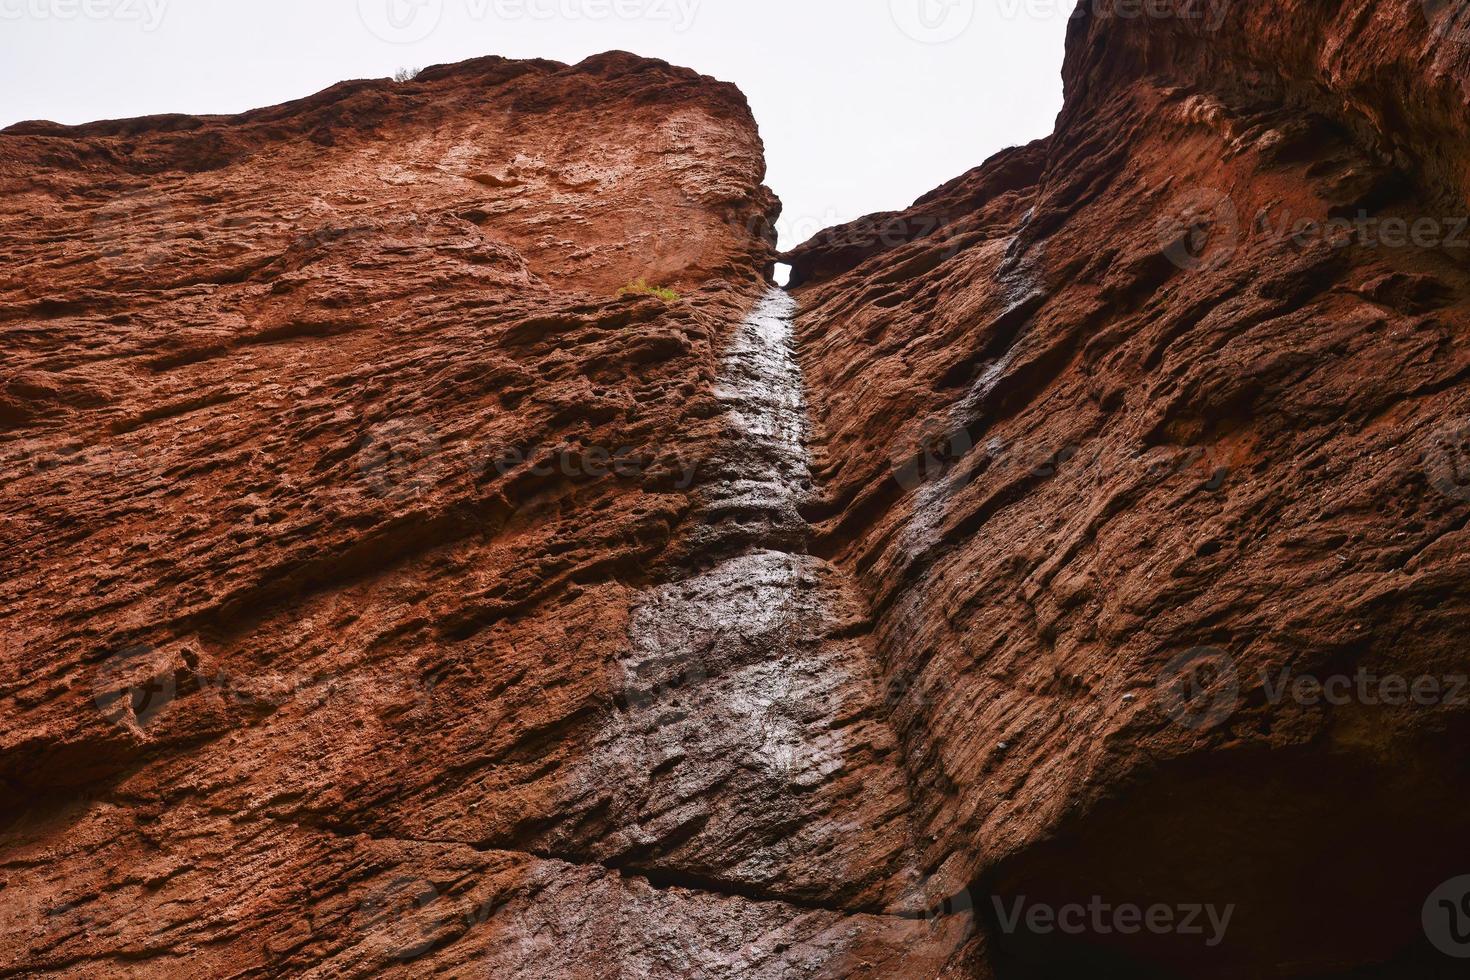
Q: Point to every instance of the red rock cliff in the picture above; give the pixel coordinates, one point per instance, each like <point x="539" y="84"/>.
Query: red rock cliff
<point x="383" y="594"/>
<point x="1138" y="436"/>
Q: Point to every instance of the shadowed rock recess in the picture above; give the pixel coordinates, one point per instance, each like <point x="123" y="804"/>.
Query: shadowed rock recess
<point x="1067" y="579"/>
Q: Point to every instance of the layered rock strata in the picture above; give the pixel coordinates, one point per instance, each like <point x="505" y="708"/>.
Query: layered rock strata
<point x="385" y="594"/>
<point x="1147" y="444"/>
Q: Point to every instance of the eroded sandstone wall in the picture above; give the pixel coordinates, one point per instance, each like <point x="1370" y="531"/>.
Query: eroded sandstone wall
<point x="383" y="595"/>
<point x="365" y="606"/>
<point x="1124" y="437"/>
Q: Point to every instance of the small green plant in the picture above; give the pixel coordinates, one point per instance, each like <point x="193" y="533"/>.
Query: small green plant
<point x="642" y="288"/>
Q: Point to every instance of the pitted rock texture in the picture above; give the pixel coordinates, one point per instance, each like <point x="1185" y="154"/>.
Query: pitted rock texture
<point x="1111" y="454"/>
<point x="385" y="595"/>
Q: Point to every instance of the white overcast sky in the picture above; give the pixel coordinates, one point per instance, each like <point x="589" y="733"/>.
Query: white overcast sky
<point x="864" y="104"/>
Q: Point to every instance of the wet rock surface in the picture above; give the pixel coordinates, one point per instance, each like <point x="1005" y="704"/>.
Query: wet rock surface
<point x="759" y="475"/>
<point x="752" y="691"/>
<point x="1136" y="437"/>
<point x="384" y="595"/>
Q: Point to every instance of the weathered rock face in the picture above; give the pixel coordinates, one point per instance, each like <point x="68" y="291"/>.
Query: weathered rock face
<point x="383" y="595"/>
<point x="1132" y="447"/>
